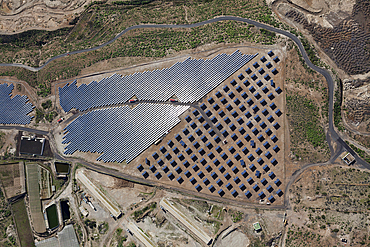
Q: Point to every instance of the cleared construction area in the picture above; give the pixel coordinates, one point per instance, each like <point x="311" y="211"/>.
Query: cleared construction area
<point x="34" y="198"/>
<point x="13" y="179"/>
<point x="137" y="232"/>
<point x="98" y="194"/>
<point x="185" y="221"/>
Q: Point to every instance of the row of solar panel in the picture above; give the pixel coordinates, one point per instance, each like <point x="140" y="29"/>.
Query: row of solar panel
<point x="14" y="110"/>
<point x="202" y="76"/>
<point x="219" y="182"/>
<point x="208" y="168"/>
<point x="120" y="133"/>
<point x="233" y="137"/>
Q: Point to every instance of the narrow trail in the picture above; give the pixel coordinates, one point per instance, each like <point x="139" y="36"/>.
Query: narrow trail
<point x="332" y="134"/>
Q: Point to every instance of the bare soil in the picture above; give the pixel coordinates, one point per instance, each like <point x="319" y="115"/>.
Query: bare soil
<point x="310" y="86"/>
<point x="18" y="16"/>
<point x="329" y="203"/>
<point x="10" y="177"/>
<point x="166" y="230"/>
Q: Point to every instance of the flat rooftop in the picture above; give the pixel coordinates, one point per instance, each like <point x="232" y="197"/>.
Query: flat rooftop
<point x="32" y="146"/>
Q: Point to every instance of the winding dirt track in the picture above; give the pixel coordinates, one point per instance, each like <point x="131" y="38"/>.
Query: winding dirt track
<point x="331" y="136"/>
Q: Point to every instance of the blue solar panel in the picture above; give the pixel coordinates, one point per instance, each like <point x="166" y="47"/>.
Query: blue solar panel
<point x="266" y="168"/>
<point x="244" y="173"/>
<point x="180" y="180"/>
<point x="187" y="174"/>
<point x="261" y="195"/>
<point x="270" y="189"/>
<point x="277" y="182"/>
<point x="14" y="110"/>
<point x="271" y="199"/>
<point x="221" y="192"/>
<point x="158" y="175"/>
<point x="279" y="192"/>
<point x="202" y="76"/>
<point x="242" y="187"/>
<point x="256" y="188"/>
<point x="145" y="174"/>
<point x="120" y="133"/>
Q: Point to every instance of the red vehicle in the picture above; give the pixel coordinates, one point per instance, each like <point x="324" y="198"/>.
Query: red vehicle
<point x="132" y="100"/>
<point x="60" y="120"/>
<point x="173" y="100"/>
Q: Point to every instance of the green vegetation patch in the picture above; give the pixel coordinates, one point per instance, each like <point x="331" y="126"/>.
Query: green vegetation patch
<point x="148" y="208"/>
<point x="338" y="106"/>
<point x="303" y="116"/>
<point x="44" y="90"/>
<point x="102" y="21"/>
<point x="90" y="223"/>
<point x="39" y="115"/>
<point x="236" y="215"/>
<point x="5" y="221"/>
<point x="47" y="104"/>
<point x="22" y="223"/>
<point x="200" y="205"/>
<point x="2" y="139"/>
<point x="361" y="153"/>
<point x="48" y="116"/>
<point x="119" y="238"/>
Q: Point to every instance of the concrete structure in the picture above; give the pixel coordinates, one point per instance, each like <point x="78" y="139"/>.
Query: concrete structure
<point x="50" y="242"/>
<point x="66" y="238"/>
<point x="140" y="235"/>
<point x="349" y="159"/>
<point x="257" y="226"/>
<point x="83" y="211"/>
<point x="32" y="146"/>
<point x="186" y="221"/>
<point x="98" y="194"/>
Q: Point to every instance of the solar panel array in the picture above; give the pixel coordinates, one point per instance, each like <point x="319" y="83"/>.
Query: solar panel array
<point x="120" y="133"/>
<point x="189" y="80"/>
<point x="245" y="164"/>
<point x="14" y="110"/>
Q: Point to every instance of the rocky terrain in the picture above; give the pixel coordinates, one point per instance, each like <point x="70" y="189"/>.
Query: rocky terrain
<point x="21" y="15"/>
<point x="343" y="36"/>
<point x="357" y="102"/>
